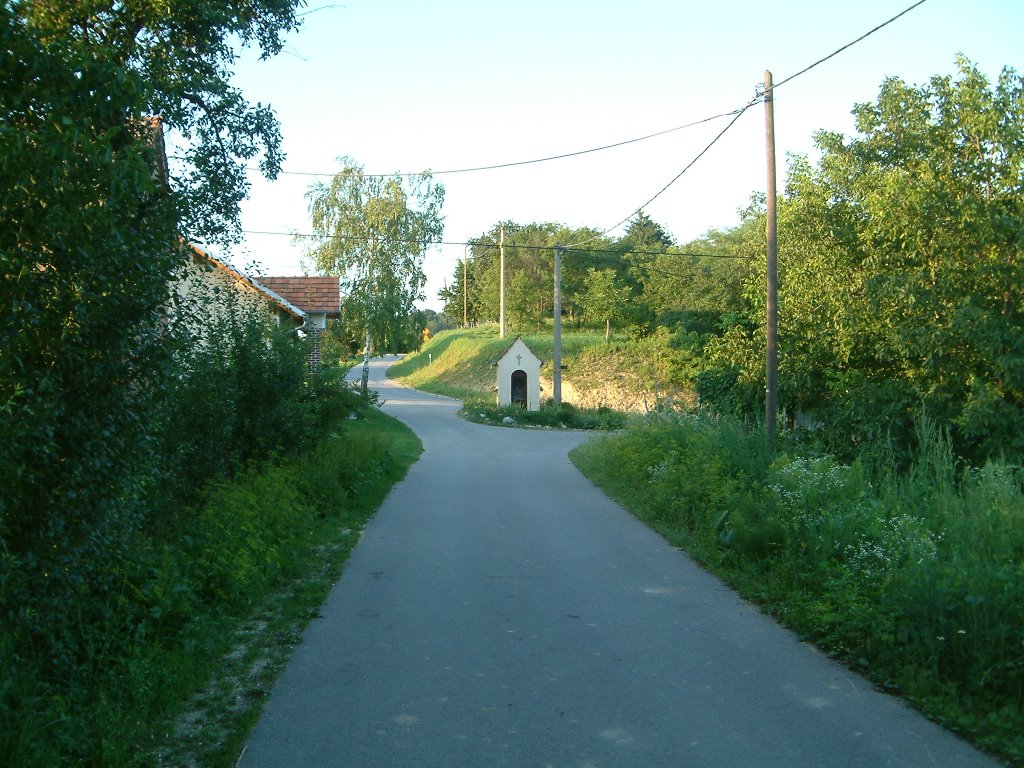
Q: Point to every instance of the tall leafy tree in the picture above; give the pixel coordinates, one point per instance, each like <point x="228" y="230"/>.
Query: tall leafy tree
<point x="900" y="266"/>
<point x="637" y="250"/>
<point x="644" y="233"/>
<point x="180" y="55"/>
<point x="529" y="266"/>
<point x="462" y="296"/>
<point x="705" y="276"/>
<point x="452" y="296"/>
<point x="90" y="239"/>
<point x="90" y="236"/>
<point x="606" y="298"/>
<point x="374" y="233"/>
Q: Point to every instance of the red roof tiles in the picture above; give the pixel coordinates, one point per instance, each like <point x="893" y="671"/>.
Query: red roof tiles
<point x="310" y="294"/>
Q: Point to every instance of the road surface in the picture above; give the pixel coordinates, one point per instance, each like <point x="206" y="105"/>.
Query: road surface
<point x="501" y="611"/>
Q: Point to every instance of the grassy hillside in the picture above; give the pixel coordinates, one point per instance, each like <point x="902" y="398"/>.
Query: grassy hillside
<point x="625" y="376"/>
<point x="460" y="362"/>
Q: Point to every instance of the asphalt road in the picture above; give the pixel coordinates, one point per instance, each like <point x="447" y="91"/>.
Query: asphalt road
<point x="501" y="611"/>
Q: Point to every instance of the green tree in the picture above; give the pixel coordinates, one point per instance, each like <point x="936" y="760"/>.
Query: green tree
<point x="86" y="250"/>
<point x="90" y="241"/>
<point x="529" y="266"/>
<point x="632" y="257"/>
<point x="529" y="272"/>
<point x="462" y="296"/>
<point x="180" y="56"/>
<point x="706" y="276"/>
<point x="644" y="234"/>
<point x="374" y="233"/>
<point x="605" y="298"/>
<point x="900" y="268"/>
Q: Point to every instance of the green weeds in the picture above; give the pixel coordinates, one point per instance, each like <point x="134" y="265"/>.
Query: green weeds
<point x="915" y="577"/>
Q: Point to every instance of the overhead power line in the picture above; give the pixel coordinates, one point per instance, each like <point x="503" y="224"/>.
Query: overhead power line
<point x="315" y="10"/>
<point x="517" y="163"/>
<point x="738" y="112"/>
<point x="676" y="178"/>
<point x="509" y="245"/>
<point x="497" y="166"/>
<point x="849" y="44"/>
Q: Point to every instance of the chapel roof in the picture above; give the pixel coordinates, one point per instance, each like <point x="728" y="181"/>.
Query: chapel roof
<point x="518" y="341"/>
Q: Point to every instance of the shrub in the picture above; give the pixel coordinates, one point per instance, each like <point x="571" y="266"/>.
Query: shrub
<point x="565" y="416"/>
<point x="242" y="536"/>
<point x="723" y="390"/>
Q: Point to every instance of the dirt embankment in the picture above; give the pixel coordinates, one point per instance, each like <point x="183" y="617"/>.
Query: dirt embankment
<point x="619" y="391"/>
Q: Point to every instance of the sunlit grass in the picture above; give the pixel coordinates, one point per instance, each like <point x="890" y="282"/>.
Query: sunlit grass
<point x="460" y="363"/>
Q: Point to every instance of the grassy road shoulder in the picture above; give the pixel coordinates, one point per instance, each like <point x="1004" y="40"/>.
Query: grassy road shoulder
<point x="913" y="578"/>
<point x="339" y="486"/>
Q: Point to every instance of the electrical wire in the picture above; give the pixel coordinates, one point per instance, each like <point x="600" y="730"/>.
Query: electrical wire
<point x="577" y="153"/>
<point x="510" y="245"/>
<point x="738" y="113"/>
<point x="751" y="103"/>
<point x="849" y="45"/>
<point x="518" y="163"/>
<point x="315" y="10"/>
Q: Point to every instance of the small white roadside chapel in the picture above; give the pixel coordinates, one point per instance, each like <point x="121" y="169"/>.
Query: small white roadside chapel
<point x="519" y="376"/>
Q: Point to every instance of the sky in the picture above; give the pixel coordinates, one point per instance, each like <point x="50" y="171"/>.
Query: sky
<point x="413" y="85"/>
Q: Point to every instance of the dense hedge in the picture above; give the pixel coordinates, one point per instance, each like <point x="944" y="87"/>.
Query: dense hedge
<point x="114" y="418"/>
<point x="216" y="522"/>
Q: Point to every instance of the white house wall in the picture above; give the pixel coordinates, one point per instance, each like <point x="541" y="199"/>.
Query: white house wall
<point x="207" y="295"/>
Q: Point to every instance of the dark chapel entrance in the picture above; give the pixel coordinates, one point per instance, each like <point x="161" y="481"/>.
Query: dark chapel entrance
<point x="519" y="388"/>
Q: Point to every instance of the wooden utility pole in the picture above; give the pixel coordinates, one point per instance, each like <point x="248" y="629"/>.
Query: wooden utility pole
<point x="465" y="287"/>
<point x="556" y="362"/>
<point x="772" y="264"/>
<point x="501" y="288"/>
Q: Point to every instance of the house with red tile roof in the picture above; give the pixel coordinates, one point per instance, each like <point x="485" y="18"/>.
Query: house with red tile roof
<point x="216" y="286"/>
<point x="318" y="296"/>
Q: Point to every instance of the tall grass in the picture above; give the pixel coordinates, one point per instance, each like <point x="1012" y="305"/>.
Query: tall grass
<point x="915" y="577"/>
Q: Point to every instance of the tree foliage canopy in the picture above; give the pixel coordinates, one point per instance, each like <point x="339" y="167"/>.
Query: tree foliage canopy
<point x="529" y="265"/>
<point x="374" y="232"/>
<point x="900" y="268"/>
<point x="901" y="275"/>
<point x="91" y="235"/>
<point x="179" y="56"/>
<point x="90" y="241"/>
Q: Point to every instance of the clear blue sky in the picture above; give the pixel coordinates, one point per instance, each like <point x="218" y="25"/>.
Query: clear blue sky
<point x="408" y="85"/>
